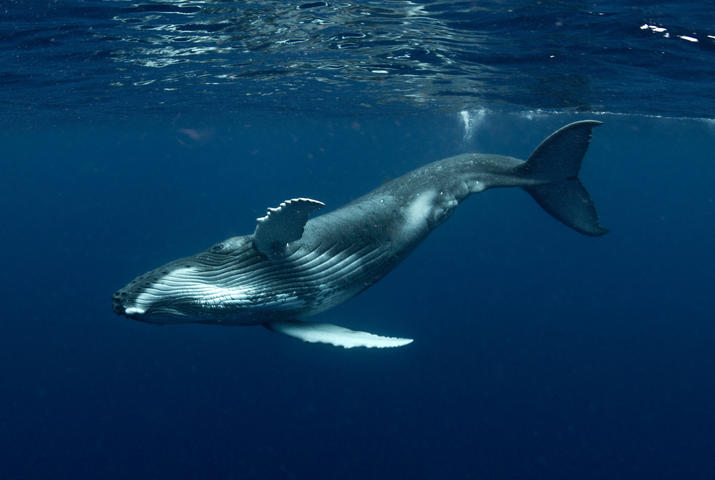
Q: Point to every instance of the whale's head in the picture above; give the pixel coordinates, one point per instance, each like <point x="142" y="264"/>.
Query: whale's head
<point x="203" y="288"/>
<point x="160" y="296"/>
<point x="225" y="284"/>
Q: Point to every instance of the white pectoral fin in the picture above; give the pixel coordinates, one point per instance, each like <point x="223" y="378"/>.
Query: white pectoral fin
<point x="314" y="332"/>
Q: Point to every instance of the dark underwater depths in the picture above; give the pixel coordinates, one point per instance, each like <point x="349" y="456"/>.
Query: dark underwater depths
<point x="538" y="353"/>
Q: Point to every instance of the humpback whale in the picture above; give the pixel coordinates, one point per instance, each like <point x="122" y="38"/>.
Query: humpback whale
<point x="293" y="267"/>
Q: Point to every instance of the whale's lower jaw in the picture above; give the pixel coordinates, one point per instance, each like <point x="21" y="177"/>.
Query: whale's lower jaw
<point x="239" y="286"/>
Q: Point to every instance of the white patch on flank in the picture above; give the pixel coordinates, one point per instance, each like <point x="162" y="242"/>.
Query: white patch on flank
<point x="475" y="186"/>
<point x="133" y="311"/>
<point x="417" y="213"/>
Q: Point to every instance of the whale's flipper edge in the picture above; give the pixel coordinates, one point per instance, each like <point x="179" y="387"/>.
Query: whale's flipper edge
<point x="283" y="224"/>
<point x="555" y="165"/>
<point x="314" y="332"/>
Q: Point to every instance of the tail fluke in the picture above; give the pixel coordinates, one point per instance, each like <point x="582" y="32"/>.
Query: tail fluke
<point x="569" y="202"/>
<point x="556" y="163"/>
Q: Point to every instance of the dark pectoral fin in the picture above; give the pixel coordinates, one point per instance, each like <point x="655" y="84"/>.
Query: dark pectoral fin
<point x="283" y="224"/>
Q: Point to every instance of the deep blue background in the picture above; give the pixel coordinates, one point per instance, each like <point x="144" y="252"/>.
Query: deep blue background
<point x="538" y="353"/>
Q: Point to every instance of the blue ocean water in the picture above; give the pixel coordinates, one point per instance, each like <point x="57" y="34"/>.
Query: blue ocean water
<point x="134" y="133"/>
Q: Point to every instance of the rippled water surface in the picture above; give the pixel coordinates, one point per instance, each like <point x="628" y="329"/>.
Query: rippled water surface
<point x="122" y="57"/>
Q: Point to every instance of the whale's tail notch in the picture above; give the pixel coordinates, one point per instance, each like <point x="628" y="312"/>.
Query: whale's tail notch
<point x="555" y="165"/>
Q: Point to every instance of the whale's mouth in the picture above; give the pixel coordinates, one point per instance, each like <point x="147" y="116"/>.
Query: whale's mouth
<point x="120" y="307"/>
<point x="117" y="303"/>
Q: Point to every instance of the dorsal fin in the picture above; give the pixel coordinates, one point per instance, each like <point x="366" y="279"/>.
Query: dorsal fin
<point x="283" y="224"/>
